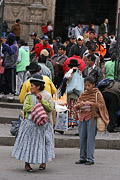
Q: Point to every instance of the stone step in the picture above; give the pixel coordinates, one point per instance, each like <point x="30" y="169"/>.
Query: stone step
<point x="11" y="105"/>
<point x="68" y="139"/>
<point x="8" y="120"/>
<point x="9" y="115"/>
<point x="15" y="100"/>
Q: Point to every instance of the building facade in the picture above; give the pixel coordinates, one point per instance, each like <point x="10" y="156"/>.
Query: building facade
<point x="35" y="13"/>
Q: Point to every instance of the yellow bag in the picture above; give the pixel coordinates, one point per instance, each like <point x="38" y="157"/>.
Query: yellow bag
<point x="100" y="124"/>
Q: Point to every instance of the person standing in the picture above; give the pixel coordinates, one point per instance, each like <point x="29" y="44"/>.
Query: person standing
<point x="4" y="29"/>
<point x="78" y="31"/>
<point x="22" y="61"/>
<point x="35" y="143"/>
<point x="10" y="50"/>
<point x="105" y="27"/>
<point x="92" y="70"/>
<point x="35" y="41"/>
<point x="79" y="45"/>
<point x="90" y="108"/>
<point x="39" y="47"/>
<point x="58" y="61"/>
<point x="72" y="42"/>
<point x="15" y="29"/>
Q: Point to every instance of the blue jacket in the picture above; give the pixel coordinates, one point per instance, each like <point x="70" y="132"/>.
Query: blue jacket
<point x="10" y="55"/>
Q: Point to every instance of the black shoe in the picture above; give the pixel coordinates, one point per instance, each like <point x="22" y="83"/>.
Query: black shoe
<point x="115" y="130"/>
<point x="80" y="162"/>
<point x="89" y="163"/>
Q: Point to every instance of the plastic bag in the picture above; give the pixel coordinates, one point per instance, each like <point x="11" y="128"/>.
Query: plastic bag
<point x="76" y="85"/>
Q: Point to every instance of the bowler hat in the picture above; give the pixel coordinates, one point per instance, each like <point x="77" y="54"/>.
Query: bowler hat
<point x="33" y="67"/>
<point x="73" y="63"/>
<point x="37" y="77"/>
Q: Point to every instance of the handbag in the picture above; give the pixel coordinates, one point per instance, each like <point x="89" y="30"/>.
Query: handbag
<point x="100" y="123"/>
<point x="39" y="115"/>
<point x="76" y="85"/>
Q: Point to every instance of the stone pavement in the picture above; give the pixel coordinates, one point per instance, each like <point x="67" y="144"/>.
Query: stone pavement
<point x="63" y="167"/>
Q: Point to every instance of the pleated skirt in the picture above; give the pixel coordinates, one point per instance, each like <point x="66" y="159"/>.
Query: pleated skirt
<point x="34" y="144"/>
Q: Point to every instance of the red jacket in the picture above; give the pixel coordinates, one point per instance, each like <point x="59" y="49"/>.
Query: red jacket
<point x="80" y="61"/>
<point x="39" y="47"/>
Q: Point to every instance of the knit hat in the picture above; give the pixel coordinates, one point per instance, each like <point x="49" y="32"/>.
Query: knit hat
<point x="11" y="37"/>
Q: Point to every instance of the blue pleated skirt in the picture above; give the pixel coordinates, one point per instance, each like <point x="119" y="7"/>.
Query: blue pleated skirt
<point x="34" y="144"/>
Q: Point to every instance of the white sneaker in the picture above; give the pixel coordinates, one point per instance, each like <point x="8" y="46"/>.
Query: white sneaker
<point x="2" y="95"/>
<point x="10" y="96"/>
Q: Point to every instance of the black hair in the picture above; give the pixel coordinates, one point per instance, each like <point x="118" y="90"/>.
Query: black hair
<point x="22" y="42"/>
<point x="89" y="79"/>
<point x="61" y="47"/>
<point x="77" y="52"/>
<point x="91" y="56"/>
<point x="42" y="59"/>
<point x="48" y="23"/>
<point x="17" y="20"/>
<point x="37" y="83"/>
<point x="99" y="37"/>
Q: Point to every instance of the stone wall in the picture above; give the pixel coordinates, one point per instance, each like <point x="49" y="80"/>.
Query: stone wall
<point x="32" y="13"/>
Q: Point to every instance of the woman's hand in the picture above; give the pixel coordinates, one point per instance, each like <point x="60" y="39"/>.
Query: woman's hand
<point x="38" y="96"/>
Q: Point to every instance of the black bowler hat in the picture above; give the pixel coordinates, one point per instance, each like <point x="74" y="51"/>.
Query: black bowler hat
<point x="37" y="77"/>
<point x="73" y="63"/>
<point x="33" y="67"/>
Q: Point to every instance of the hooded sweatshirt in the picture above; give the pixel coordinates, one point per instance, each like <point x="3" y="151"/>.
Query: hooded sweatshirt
<point x="23" y="59"/>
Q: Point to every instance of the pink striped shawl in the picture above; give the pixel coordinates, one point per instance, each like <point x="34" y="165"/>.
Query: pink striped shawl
<point x="39" y="115"/>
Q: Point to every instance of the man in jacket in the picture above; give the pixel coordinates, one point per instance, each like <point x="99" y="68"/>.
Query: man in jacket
<point x="105" y="27"/>
<point x="35" y="41"/>
<point x="10" y="51"/>
<point x="79" y="45"/>
<point x="15" y="29"/>
<point x="39" y="47"/>
<point x="92" y="70"/>
<point x="72" y="42"/>
<point x="58" y="61"/>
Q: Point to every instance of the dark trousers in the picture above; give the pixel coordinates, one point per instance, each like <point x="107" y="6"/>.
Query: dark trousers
<point x="111" y="102"/>
<point x="9" y="81"/>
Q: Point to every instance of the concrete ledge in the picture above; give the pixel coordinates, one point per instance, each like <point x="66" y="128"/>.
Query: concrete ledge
<point x="69" y="143"/>
<point x="8" y="120"/>
<point x="11" y="105"/>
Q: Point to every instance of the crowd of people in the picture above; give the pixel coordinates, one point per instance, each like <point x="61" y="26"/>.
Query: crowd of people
<point x="51" y="65"/>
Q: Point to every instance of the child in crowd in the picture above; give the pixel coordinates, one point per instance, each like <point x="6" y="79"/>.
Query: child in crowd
<point x="91" y="105"/>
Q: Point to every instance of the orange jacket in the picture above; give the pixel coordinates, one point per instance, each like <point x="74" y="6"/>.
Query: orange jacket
<point x="101" y="49"/>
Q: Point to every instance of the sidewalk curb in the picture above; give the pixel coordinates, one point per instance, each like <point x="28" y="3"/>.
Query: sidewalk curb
<point x="69" y="143"/>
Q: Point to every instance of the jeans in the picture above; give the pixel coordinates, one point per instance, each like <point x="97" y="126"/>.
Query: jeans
<point x="87" y="133"/>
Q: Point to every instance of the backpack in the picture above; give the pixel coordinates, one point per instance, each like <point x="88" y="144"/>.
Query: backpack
<point x="104" y="83"/>
<point x="45" y="29"/>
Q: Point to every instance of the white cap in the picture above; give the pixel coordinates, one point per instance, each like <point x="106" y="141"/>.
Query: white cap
<point x="80" y="37"/>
